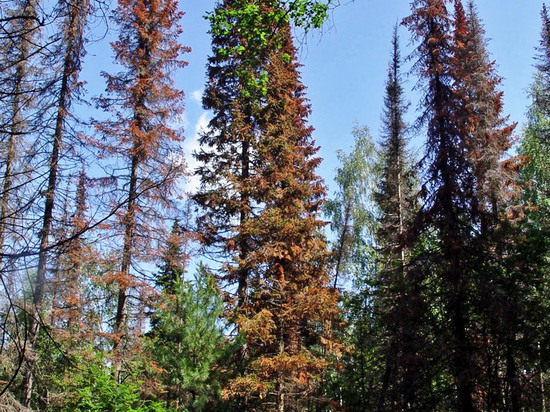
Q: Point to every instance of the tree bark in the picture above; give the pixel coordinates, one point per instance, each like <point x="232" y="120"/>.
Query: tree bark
<point x="71" y="67"/>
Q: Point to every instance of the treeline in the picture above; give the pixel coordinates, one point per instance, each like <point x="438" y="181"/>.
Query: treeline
<point x="431" y="294"/>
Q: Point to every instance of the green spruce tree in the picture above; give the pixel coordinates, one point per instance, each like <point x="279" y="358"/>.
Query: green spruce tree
<point x="399" y="306"/>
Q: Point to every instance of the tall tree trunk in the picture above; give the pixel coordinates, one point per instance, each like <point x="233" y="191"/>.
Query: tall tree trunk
<point x="390" y="356"/>
<point x="342" y="243"/>
<point x="40" y="280"/>
<point x="20" y="98"/>
<point x="71" y="66"/>
<point x="121" y="317"/>
<point x="454" y="274"/>
<point x="143" y="103"/>
<point x="461" y="356"/>
<point x="542" y="380"/>
<point x="244" y="247"/>
<point x="15" y="130"/>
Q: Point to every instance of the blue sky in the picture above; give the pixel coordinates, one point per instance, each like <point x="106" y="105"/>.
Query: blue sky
<point x="345" y="66"/>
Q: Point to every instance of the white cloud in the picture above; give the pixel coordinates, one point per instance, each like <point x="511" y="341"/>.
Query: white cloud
<point x="184" y="121"/>
<point x="196" y="96"/>
<point x="190" y="146"/>
<point x="202" y="124"/>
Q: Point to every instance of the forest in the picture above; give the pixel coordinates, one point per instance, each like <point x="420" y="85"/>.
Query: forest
<point x="420" y="282"/>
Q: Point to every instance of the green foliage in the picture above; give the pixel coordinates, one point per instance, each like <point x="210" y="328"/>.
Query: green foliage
<point x="172" y="267"/>
<point x="353" y="214"/>
<point x="94" y="389"/>
<point x="187" y="340"/>
<point x="307" y="14"/>
<point x="397" y="309"/>
<point x="535" y="147"/>
<point x="527" y="282"/>
<point x="352" y="211"/>
<point x="256" y="24"/>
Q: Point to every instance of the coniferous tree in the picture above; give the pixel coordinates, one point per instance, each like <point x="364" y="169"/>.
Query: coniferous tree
<point x="487" y="138"/>
<point x="144" y="103"/>
<point x="186" y="340"/>
<point x="174" y="260"/>
<point x="74" y="14"/>
<point x="262" y="198"/>
<point x="78" y="255"/>
<point x="531" y="257"/>
<point x="535" y="174"/>
<point x="233" y="93"/>
<point x="18" y="44"/>
<point x="487" y="135"/>
<point x="446" y="192"/>
<point x="449" y="303"/>
<point x="467" y="139"/>
<point x="399" y="304"/>
<point x="544" y="49"/>
<point x="18" y="95"/>
<point x="72" y="320"/>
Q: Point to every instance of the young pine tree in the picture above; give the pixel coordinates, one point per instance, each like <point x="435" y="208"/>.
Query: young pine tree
<point x="186" y="340"/>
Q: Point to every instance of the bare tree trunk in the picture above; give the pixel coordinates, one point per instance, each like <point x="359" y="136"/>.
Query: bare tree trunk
<point x="342" y="244"/>
<point x="71" y="66"/>
<point x="40" y="280"/>
<point x="121" y="318"/>
<point x="15" y="130"/>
